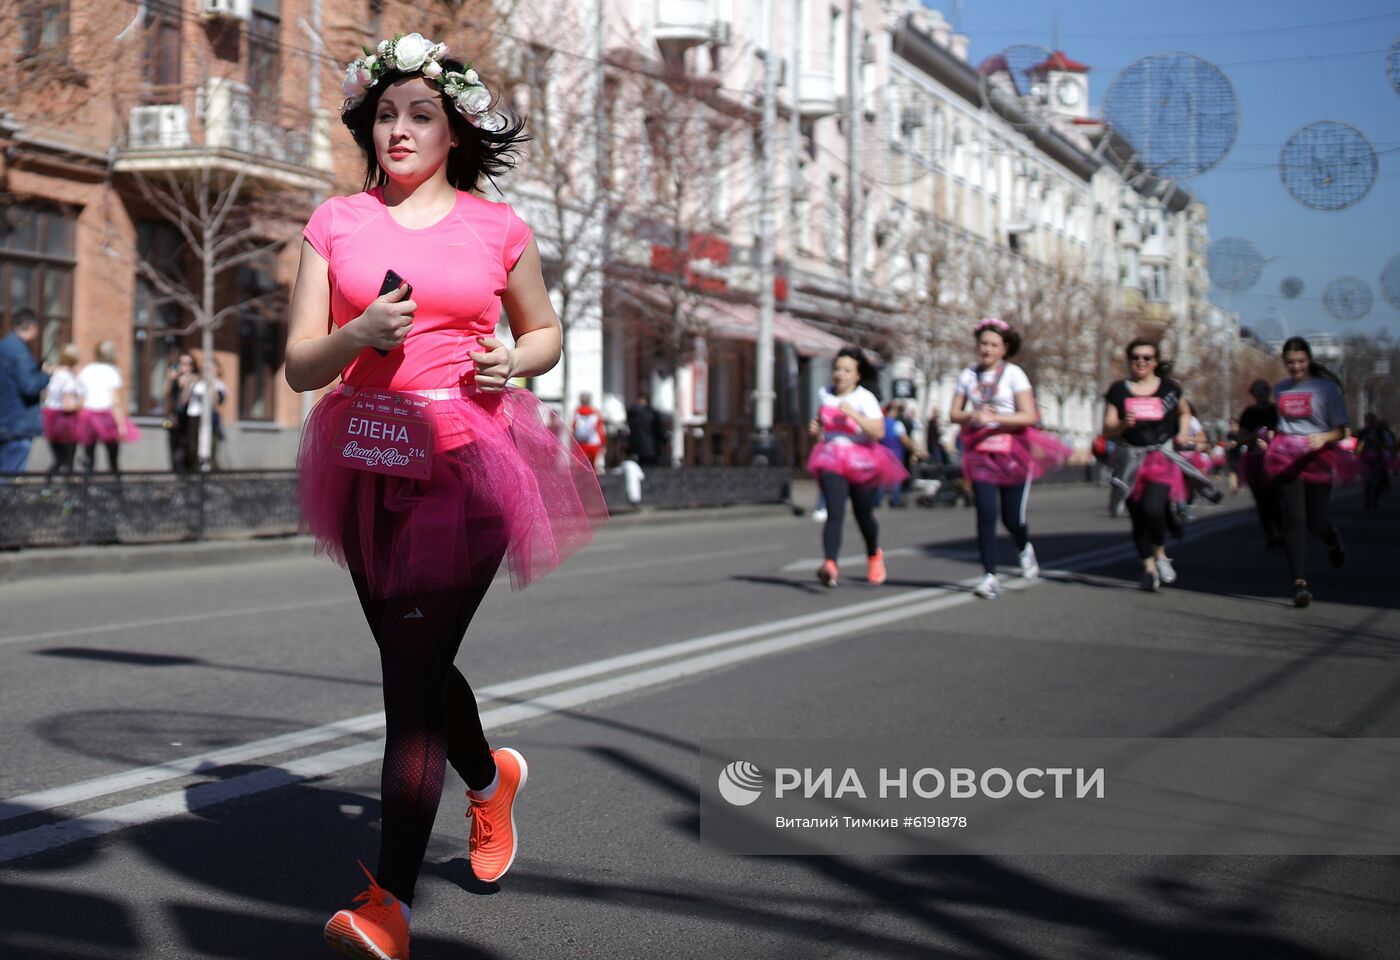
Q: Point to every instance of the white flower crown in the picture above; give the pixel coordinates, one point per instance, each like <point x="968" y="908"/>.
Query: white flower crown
<point x="413" y="53"/>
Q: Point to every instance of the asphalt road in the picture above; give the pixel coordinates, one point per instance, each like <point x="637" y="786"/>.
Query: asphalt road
<point x="190" y="756"/>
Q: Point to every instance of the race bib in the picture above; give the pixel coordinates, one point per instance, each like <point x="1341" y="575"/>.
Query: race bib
<point x="1144" y="408"/>
<point x="387" y="433"/>
<point x="1295" y="406"/>
<point x="834" y="421"/>
<point x="995" y="443"/>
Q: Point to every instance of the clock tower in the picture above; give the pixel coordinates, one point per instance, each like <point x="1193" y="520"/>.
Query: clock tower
<point x="1062" y="85"/>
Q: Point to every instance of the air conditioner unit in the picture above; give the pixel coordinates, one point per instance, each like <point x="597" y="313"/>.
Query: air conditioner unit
<point x="721" y="32"/>
<point x="867" y="50"/>
<point x="156" y="127"/>
<point x="227" y="111"/>
<point x="224" y="9"/>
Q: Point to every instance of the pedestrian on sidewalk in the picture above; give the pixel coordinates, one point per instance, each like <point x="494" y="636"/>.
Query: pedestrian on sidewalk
<point x="589" y="431"/>
<point x="425" y="470"/>
<point x="1003" y="453"/>
<point x="104" y="416"/>
<point x="63" y="401"/>
<point x="897" y="441"/>
<point x="849" y="462"/>
<point x="1304" y="459"/>
<point x="1148" y="418"/>
<point x="179" y="383"/>
<point x="22" y="383"/>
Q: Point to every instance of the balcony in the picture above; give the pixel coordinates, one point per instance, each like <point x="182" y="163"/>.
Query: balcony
<point x="219" y="126"/>
<point x="681" y="24"/>
<point x="816" y="85"/>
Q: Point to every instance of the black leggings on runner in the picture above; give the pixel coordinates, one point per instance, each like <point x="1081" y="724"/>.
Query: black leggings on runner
<point x="1149" y="513"/>
<point x="1266" y="504"/>
<point x="836" y="489"/>
<point x="1304" y="511"/>
<point x="432" y="719"/>
<point x="1013" y="517"/>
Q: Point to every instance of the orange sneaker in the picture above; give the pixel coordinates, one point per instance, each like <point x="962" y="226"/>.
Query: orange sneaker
<point x="493" y="838"/>
<point x="826" y="573"/>
<point x="875" y="568"/>
<point x="378" y="930"/>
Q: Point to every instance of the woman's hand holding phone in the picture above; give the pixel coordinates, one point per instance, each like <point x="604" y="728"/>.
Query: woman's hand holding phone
<point x="388" y="320"/>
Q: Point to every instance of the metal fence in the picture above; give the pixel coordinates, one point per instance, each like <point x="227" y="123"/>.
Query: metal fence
<point x="36" y="511"/>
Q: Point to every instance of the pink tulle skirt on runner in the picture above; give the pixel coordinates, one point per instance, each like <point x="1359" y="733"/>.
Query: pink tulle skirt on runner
<point x="508" y="483"/>
<point x="61" y="427"/>
<point x="1158" y="468"/>
<point x="100" y="426"/>
<point x="860" y="463"/>
<point x="1010" y="459"/>
<point x="1289" y="457"/>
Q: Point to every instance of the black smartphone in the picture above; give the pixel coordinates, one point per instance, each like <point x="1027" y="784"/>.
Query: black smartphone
<point x="392" y="281"/>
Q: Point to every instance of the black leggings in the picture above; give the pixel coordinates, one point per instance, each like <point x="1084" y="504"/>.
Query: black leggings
<point x="1149" y="513"/>
<point x="63" y="455"/>
<point x="431" y="719"/>
<point x="1304" y="512"/>
<point x="1013" y="517"/>
<point x="1266" y="504"/>
<point x="90" y="455"/>
<point x="836" y="489"/>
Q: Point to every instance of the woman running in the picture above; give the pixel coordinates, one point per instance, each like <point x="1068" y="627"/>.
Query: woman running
<point x="103" y="418"/>
<point x="850" y="463"/>
<point x="1304" y="460"/>
<point x="424" y="471"/>
<point x="1002" y="451"/>
<point x="63" y="402"/>
<point x="1149" y="418"/>
<point x="1257" y="422"/>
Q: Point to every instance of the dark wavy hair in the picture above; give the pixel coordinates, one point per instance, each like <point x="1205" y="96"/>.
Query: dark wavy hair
<point x="1315" y="369"/>
<point x="478" y="154"/>
<point x="1164" y="367"/>
<point x="1009" y="334"/>
<point x="869" y="377"/>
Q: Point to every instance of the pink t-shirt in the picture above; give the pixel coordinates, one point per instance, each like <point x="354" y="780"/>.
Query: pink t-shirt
<point x="458" y="269"/>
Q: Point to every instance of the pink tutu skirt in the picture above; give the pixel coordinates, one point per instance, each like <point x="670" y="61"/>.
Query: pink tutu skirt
<point x="1289" y="458"/>
<point x="61" y="427"/>
<point x="860" y="463"/>
<point x="100" y="426"/>
<point x="1158" y="468"/>
<point x="508" y="483"/>
<point x="1031" y="455"/>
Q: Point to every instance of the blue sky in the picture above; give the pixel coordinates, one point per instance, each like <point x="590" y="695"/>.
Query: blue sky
<point x="1291" y="63"/>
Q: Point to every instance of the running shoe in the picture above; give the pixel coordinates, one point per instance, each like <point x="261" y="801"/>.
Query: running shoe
<point x="376" y="930"/>
<point x="1301" y="596"/>
<point x="493" y="837"/>
<point x="826" y="573"/>
<point x="1150" y="581"/>
<point x="819" y="515"/>
<point x="875" y="568"/>
<point x="1336" y="550"/>
<point x="1166" y="571"/>
<point x="1030" y="566"/>
<point x="988" y="588"/>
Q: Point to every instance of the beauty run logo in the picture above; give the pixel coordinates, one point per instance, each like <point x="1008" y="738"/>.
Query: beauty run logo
<point x="375" y="456"/>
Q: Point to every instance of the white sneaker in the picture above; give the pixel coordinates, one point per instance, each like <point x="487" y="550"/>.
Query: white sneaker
<point x="988" y="588"/>
<point x="819" y="516"/>
<point x="1165" y="570"/>
<point x="1030" y="566"/>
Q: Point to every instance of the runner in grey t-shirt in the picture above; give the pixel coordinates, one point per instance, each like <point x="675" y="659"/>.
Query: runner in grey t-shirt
<point x="1303" y="458"/>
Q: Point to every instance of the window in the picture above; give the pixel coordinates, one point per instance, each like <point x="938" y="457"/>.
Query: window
<point x="1156" y="279"/>
<point x="43" y="28"/>
<point x="155" y="320"/>
<point x="161" y="62"/>
<point x="36" y="271"/>
<point x="261" y="335"/>
<point x="265" y="58"/>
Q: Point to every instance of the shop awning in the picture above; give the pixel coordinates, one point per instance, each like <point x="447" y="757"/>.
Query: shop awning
<point x="726" y="320"/>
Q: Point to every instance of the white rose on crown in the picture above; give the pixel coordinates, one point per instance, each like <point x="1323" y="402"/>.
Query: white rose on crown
<point x="475" y="99"/>
<point x="410" y="51"/>
<point x="432" y="69"/>
<point x="357" y="79"/>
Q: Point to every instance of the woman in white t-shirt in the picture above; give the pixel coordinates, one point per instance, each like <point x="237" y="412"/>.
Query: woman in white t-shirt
<point x="103" y="418"/>
<point x="849" y="461"/>
<point x="1002" y="453"/>
<point x="63" y="402"/>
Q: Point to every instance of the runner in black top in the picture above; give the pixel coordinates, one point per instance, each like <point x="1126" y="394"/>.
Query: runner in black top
<point x="1257" y="422"/>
